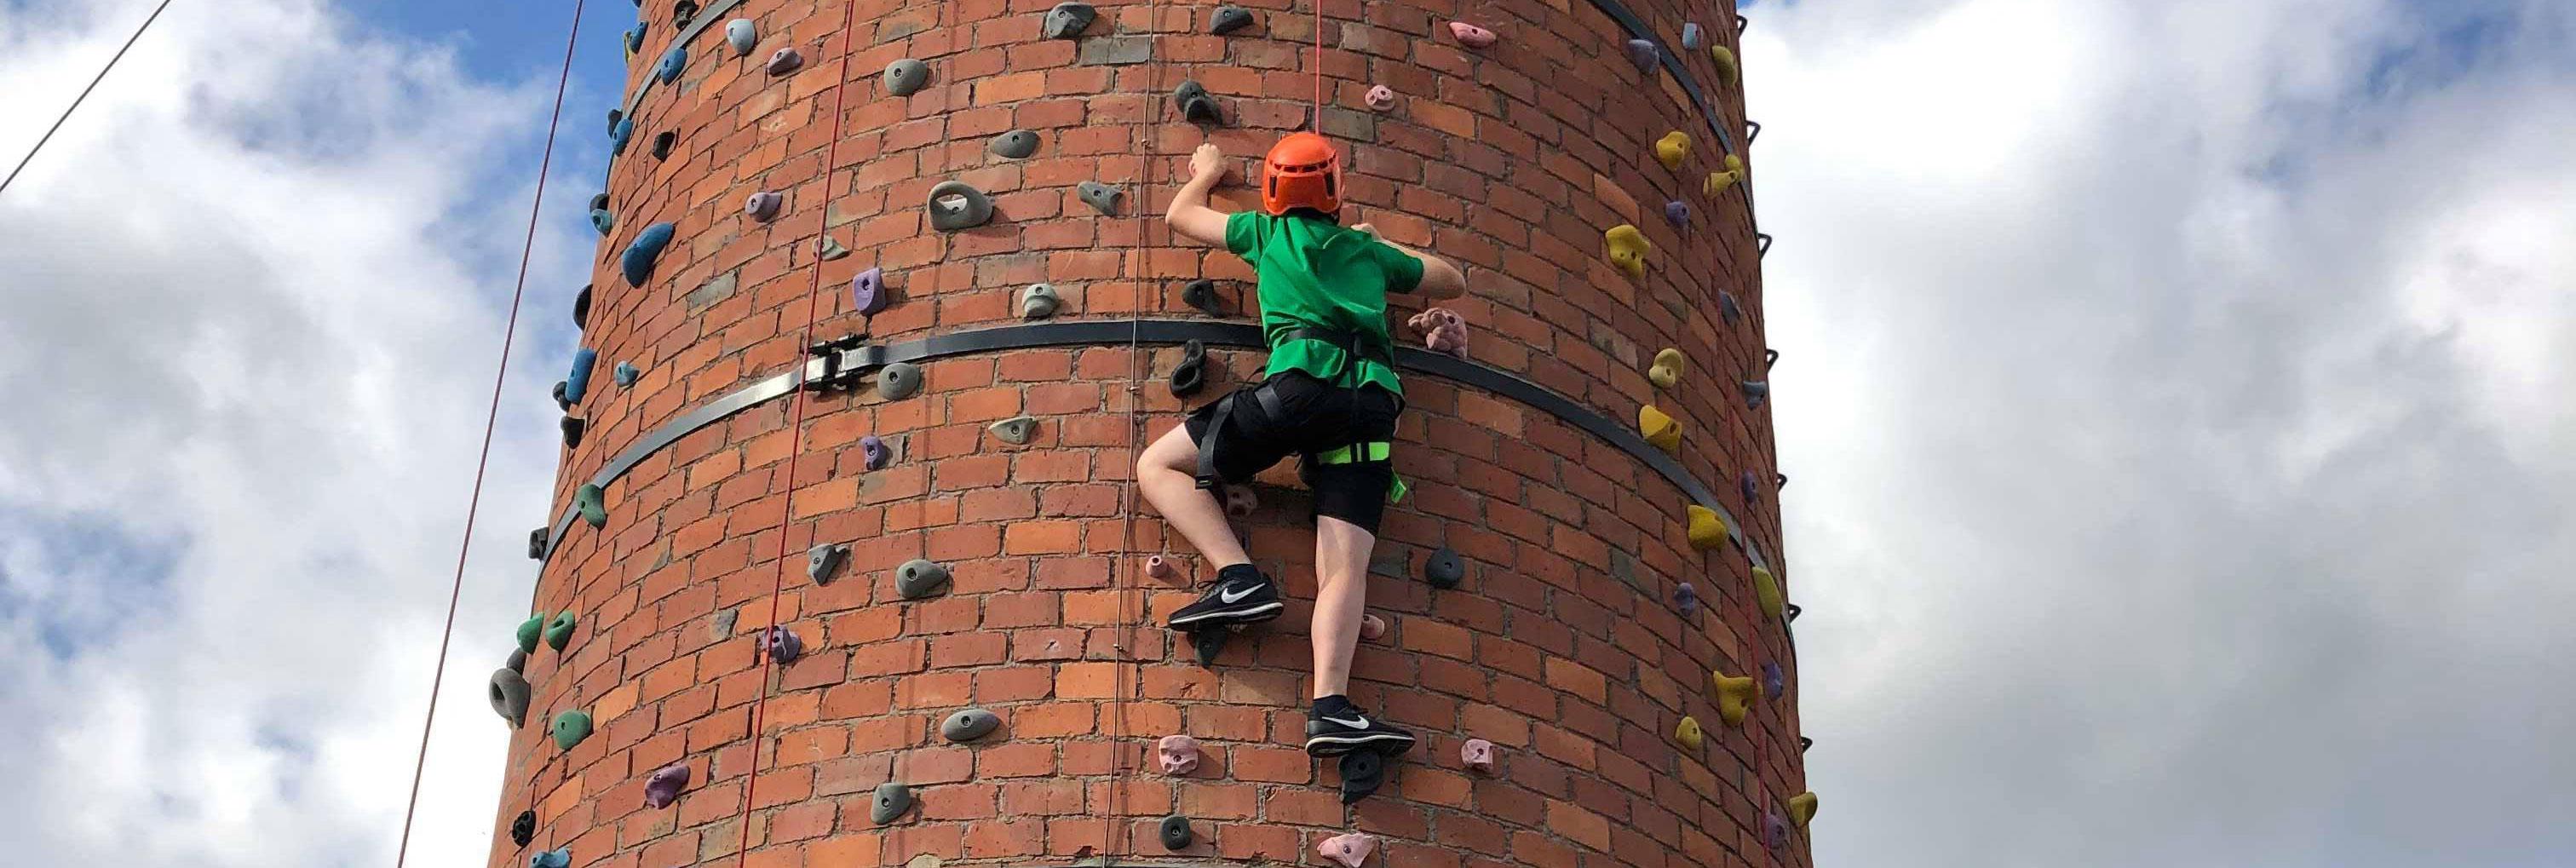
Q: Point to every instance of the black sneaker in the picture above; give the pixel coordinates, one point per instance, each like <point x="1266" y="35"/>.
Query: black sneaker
<point x="1240" y="597"/>
<point x="1349" y="730"/>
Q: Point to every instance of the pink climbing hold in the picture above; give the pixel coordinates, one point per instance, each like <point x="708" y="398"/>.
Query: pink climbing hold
<point x="1158" y="567"/>
<point x="1349" y="848"/>
<point x="665" y="785"/>
<point x="1478" y="754"/>
<point x="1372" y="627"/>
<point x="1471" y="35"/>
<point x="1179" y="754"/>
<point x="1442" y="330"/>
<point x="1380" y="97"/>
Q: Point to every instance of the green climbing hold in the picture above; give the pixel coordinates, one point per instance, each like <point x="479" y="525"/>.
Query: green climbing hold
<point x="529" y="631"/>
<point x="1039" y="301"/>
<point x="571" y="727"/>
<point x="593" y="504"/>
<point x="559" y="630"/>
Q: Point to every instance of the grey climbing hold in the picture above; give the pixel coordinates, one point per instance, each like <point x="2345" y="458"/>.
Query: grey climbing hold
<point x="662" y="144"/>
<point x="905" y="77"/>
<point x="1228" y="19"/>
<point x="1444" y="569"/>
<point x="958" y="205"/>
<point x="1039" y="301"/>
<point x="531" y="630"/>
<point x="1068" y="20"/>
<point x="1690" y="35"/>
<point x="742" y="35"/>
<point x="1176" y="832"/>
<point x="1197" y="106"/>
<point x="1686" y="598"/>
<point x="684" y="12"/>
<point x="1726" y="307"/>
<point x="890" y="801"/>
<point x="1015" y="145"/>
<point x="560" y="402"/>
<point x="560" y="857"/>
<point x="509" y="695"/>
<point x="664" y="787"/>
<point x="577" y="385"/>
<point x="919" y="578"/>
<point x="1774" y="681"/>
<point x="763" y="206"/>
<point x="1201" y="294"/>
<point x="559" y="630"/>
<point x="780" y="645"/>
<point x="524" y="828"/>
<point x="673" y="61"/>
<point x="537" y="540"/>
<point x="1677" y="212"/>
<point x="516" y="662"/>
<point x="1644" y="54"/>
<point x="1101" y="197"/>
<point x="572" y="431"/>
<point x="784" y="61"/>
<point x="874" y="451"/>
<point x="1754" y="392"/>
<point x="823" y="562"/>
<point x="618" y="134"/>
<point x="867" y="292"/>
<point x="1016" y="430"/>
<point x="570" y="728"/>
<point x="644" y="252"/>
<point x="593" y="504"/>
<point x="969" y="725"/>
<point x="625" y="373"/>
<point x="830" y="249"/>
<point x="898" y="380"/>
<point x="1190" y="375"/>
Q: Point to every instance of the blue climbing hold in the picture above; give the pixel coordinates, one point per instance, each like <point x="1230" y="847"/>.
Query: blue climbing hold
<point x="603" y="220"/>
<point x="618" y="134"/>
<point x="1690" y="35"/>
<point x="1677" y="212"/>
<point x="673" y="61"/>
<point x="647" y="249"/>
<point x="615" y="115"/>
<point x="740" y="34"/>
<point x="560" y="857"/>
<point x="635" y="38"/>
<point x="578" y="384"/>
<point x="625" y="373"/>
<point x="1773" y="680"/>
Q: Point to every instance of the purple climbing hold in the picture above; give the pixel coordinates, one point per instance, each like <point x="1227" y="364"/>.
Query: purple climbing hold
<point x="875" y="451"/>
<point x="763" y="205"/>
<point x="1773" y="680"/>
<point x="1686" y="598"/>
<point x="1644" y="54"/>
<point x="1775" y="829"/>
<point x="1748" y="485"/>
<point x="665" y="785"/>
<point x="1677" y="212"/>
<point x="867" y="292"/>
<point x="781" y="645"/>
<point x="784" y="61"/>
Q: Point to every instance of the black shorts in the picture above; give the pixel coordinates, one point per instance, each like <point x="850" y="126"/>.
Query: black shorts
<point x="1317" y="417"/>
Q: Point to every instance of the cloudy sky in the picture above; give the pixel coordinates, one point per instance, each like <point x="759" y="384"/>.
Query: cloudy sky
<point x="2171" y="392"/>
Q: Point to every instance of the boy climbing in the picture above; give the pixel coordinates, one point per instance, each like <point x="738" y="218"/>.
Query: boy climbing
<point x="1330" y="397"/>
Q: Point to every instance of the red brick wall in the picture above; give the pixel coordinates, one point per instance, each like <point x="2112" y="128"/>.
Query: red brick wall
<point x="1510" y="161"/>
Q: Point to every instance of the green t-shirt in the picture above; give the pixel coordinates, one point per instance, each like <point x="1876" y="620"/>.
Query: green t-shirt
<point x="1318" y="275"/>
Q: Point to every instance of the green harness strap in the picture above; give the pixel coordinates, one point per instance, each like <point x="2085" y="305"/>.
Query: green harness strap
<point x="1371" y="451"/>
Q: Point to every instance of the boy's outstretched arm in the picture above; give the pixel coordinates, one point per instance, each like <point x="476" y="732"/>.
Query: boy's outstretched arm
<point x="1439" y="278"/>
<point x="1189" y="214"/>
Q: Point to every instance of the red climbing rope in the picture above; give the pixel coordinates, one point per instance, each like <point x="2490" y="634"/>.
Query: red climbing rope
<point x="795" y="444"/>
<point x="84" y="94"/>
<point x="491" y="419"/>
<point x="1319" y="67"/>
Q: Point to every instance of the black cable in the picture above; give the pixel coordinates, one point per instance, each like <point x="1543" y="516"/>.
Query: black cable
<point x="84" y="94"/>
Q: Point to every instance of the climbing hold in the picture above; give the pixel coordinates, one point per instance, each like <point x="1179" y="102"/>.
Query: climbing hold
<point x="1725" y="60"/>
<point x="683" y="12"/>
<point x="906" y="76"/>
<point x="516" y="662"/>
<point x="1748" y="485"/>
<point x="742" y="35"/>
<point x="1068" y="20"/>
<point x="578" y="384"/>
<point x="1734" y="697"/>
<point x="1754" y="392"/>
<point x="1660" y="430"/>
<point x="898" y="381"/>
<point x="1686" y="598"/>
<point x="1228" y="19"/>
<point x="1717" y="183"/>
<point x="1644" y="53"/>
<point x="1677" y="212"/>
<point x="1196" y="105"/>
<point x="784" y="61"/>
<point x="509" y="694"/>
<point x="1039" y="301"/>
<point x="593" y="504"/>
<point x="830" y="249"/>
<point x="1349" y="848"/>
<point x="1190" y="375"/>
<point x="537" y="540"/>
<point x="1734" y="164"/>
<point x="571" y="727"/>
<point x="559" y="630"/>
<point x="1774" y="681"/>
<point x="1372" y="627"/>
<point x="1478" y="754"/>
<point x="1690" y="35"/>
<point x="763" y="205"/>
<point x="1379" y="97"/>
<point x="673" y="62"/>
<point x="919" y="578"/>
<point x="1201" y="294"/>
<point x="1101" y="197"/>
<point x="665" y="785"/>
<point x="531" y="630"/>
<point x="1706" y="530"/>
<point x="1442" y="329"/>
<point x="1176" y="832"/>
<point x="1015" y="145"/>
<point x="874" y="451"/>
<point x="1688" y="733"/>
<point x="1444" y="569"/>
<point x="1471" y="35"/>
<point x="1802" y="807"/>
<point x="1628" y="249"/>
<point x="1015" y="430"/>
<point x="1775" y="829"/>
<point x="957" y="205"/>
<point x="1766" y="593"/>
<point x="1179" y="754"/>
<point x="560" y="402"/>
<point x="823" y="562"/>
<point x="867" y="292"/>
<point x="625" y="373"/>
<point x="779" y="644"/>
<point x="969" y="725"/>
<point x="1240" y="502"/>
<point x="560" y="857"/>
<point x="603" y="220"/>
<point x="644" y="252"/>
<point x="1362" y="773"/>
<point x="524" y="828"/>
<point x="1727" y="307"/>
<point x="581" y="308"/>
<point x="634" y="43"/>
<point x="891" y="800"/>
<point x="572" y="430"/>
<point x="1159" y="567"/>
<point x="618" y="135"/>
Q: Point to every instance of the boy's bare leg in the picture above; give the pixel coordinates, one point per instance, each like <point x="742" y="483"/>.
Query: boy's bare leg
<point x="1341" y="594"/>
<point x="1168" y="475"/>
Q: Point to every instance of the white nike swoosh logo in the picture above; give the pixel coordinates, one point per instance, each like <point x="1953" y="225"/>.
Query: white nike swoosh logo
<point x="1232" y="596"/>
<point x="1352" y="722"/>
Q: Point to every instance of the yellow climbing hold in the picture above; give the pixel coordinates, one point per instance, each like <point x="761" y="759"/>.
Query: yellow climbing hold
<point x="1707" y="531"/>
<point x="1667" y="369"/>
<point x="1672" y="149"/>
<point x="1735" y="164"/>
<point x="1660" y="430"/>
<point x="1766" y="592"/>
<point x="1734" y="697"/>
<point x="1628" y="249"/>
<point x="1688" y="733"/>
<point x="1725" y="60"/>
<point x="1802" y="807"/>
<point x="1717" y="183"/>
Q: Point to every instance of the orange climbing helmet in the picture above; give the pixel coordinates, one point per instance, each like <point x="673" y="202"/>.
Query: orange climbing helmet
<point x="1302" y="171"/>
